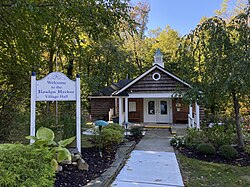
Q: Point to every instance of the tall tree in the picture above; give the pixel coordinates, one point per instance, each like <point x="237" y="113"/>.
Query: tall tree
<point x="231" y="8"/>
<point x="35" y="34"/>
<point x="220" y="60"/>
<point x="135" y="37"/>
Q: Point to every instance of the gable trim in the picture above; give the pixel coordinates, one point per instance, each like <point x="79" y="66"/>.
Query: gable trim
<point x="147" y="72"/>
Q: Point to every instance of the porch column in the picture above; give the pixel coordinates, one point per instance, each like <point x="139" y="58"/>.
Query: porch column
<point x="126" y="109"/>
<point x="116" y="107"/>
<point x="190" y="117"/>
<point x="120" y="110"/>
<point x="197" y="111"/>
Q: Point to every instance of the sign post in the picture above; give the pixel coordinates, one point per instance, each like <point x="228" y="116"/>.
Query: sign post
<point x="33" y="106"/>
<point x="78" y="113"/>
<point x="56" y="87"/>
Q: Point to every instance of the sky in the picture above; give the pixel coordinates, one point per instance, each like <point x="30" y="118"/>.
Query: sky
<point x="181" y="15"/>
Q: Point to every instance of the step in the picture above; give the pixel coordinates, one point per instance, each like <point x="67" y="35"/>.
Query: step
<point x="157" y="126"/>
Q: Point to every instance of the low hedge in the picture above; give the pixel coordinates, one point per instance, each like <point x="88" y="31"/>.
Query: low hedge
<point x="227" y="151"/>
<point x="111" y="137"/>
<point x="206" y="148"/>
<point x="25" y="166"/>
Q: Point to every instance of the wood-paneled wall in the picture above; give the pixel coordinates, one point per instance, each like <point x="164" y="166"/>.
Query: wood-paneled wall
<point x="136" y="116"/>
<point x="165" y="84"/>
<point x="100" y="108"/>
<point x="182" y="115"/>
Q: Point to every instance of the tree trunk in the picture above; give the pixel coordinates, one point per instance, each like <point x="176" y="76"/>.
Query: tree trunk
<point x="237" y="119"/>
<point x="70" y="68"/>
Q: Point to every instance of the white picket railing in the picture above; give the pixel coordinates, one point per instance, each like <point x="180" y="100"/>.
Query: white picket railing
<point x="190" y="121"/>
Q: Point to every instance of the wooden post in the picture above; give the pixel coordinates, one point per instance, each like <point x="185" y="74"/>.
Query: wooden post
<point x="33" y="106"/>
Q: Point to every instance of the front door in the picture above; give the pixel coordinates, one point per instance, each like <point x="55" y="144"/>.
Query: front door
<point x="157" y="110"/>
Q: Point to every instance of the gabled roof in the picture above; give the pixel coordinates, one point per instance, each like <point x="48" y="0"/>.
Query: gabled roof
<point x="109" y="90"/>
<point x="119" y="92"/>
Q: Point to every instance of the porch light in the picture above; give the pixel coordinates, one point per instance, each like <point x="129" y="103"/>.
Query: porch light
<point x="178" y="106"/>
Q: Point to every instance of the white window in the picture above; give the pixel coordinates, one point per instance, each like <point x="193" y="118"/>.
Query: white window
<point x="156" y="76"/>
<point x="132" y="107"/>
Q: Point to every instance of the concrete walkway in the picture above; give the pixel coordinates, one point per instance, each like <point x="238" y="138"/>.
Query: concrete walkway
<point x="152" y="164"/>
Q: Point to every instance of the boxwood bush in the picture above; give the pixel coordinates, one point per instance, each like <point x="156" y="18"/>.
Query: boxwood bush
<point x="227" y="151"/>
<point x="23" y="165"/>
<point x="193" y="138"/>
<point x="116" y="127"/>
<point x="111" y="137"/>
<point x="136" y="131"/>
<point x="206" y="148"/>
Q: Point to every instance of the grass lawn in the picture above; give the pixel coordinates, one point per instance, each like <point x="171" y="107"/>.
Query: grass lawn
<point x="199" y="173"/>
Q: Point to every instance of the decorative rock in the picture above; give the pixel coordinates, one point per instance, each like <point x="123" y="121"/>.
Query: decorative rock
<point x="76" y="157"/>
<point x="59" y="168"/>
<point x="66" y="162"/>
<point x="74" y="163"/>
<point x="82" y="165"/>
<point x="73" y="151"/>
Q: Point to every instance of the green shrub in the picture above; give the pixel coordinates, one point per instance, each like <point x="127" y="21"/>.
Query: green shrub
<point x="194" y="137"/>
<point x="177" y="141"/>
<point x="206" y="148"/>
<point x="227" y="151"/>
<point x="174" y="141"/>
<point x="247" y="149"/>
<point x="25" y="166"/>
<point x="220" y="135"/>
<point x="136" y="131"/>
<point x="110" y="137"/>
<point x="217" y="135"/>
<point x="116" y="127"/>
<point x="44" y="139"/>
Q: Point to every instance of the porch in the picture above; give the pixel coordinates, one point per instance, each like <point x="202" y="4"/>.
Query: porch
<point x="154" y="111"/>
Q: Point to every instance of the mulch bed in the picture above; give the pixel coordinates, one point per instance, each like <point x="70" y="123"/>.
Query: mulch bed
<point x="242" y="160"/>
<point x="71" y="176"/>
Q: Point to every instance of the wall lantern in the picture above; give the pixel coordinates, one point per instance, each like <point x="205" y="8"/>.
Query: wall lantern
<point x="178" y="106"/>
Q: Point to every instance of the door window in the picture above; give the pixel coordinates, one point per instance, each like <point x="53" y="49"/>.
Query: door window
<point x="151" y="107"/>
<point x="164" y="107"/>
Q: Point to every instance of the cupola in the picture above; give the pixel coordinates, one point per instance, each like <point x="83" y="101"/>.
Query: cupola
<point x="158" y="58"/>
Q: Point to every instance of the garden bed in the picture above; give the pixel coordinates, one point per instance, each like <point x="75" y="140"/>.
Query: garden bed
<point x="72" y="176"/>
<point x="243" y="158"/>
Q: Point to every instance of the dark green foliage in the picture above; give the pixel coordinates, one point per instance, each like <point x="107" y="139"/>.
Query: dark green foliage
<point x="116" y="127"/>
<point x="136" y="131"/>
<point x="247" y="149"/>
<point x="69" y="126"/>
<point x="25" y="166"/>
<point x="228" y="152"/>
<point x="206" y="148"/>
<point x="44" y="139"/>
<point x="177" y="141"/>
<point x="193" y="138"/>
<point x="34" y="35"/>
<point x="173" y="142"/>
<point x="217" y="135"/>
<point x="220" y="135"/>
<point x="111" y="137"/>
<point x="217" y="53"/>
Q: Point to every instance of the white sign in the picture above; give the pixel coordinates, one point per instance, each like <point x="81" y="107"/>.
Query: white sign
<point x="55" y="87"/>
